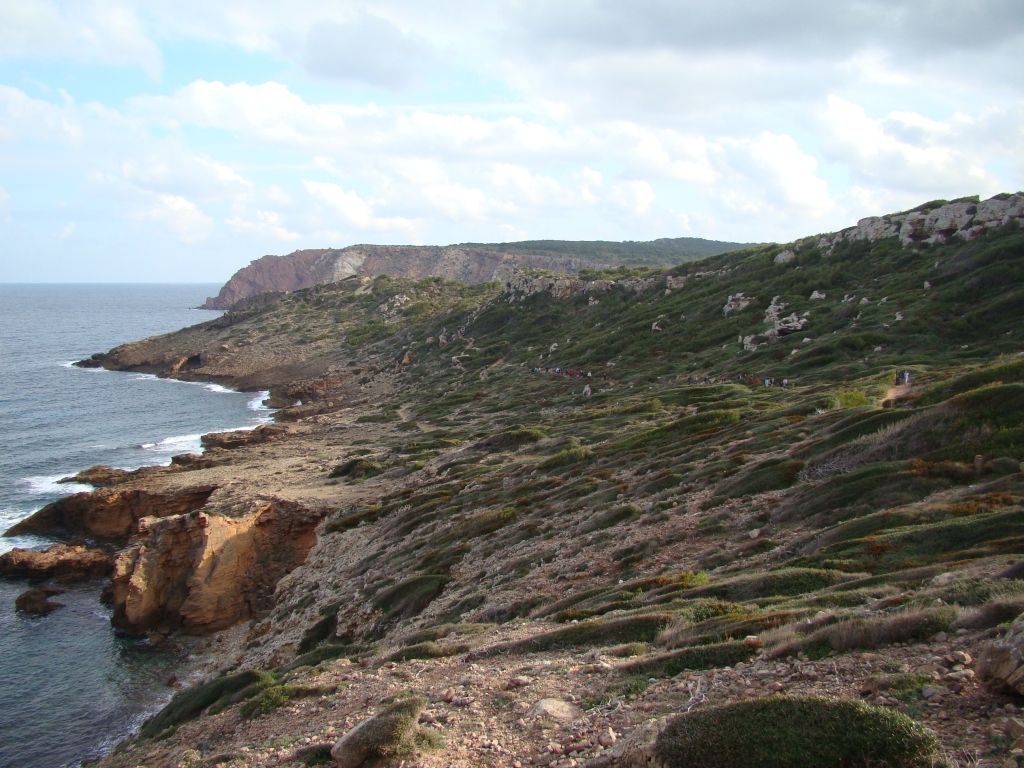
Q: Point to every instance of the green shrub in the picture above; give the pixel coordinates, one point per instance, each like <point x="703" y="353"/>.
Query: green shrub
<point x="273" y="698"/>
<point x="631" y="629"/>
<point x="427" y="650"/>
<point x="391" y="732"/>
<point x="357" y="469"/>
<point x="787" y="581"/>
<point x="408" y="598"/>
<point x="189" y="704"/>
<point x="324" y="653"/>
<point x="512" y="437"/>
<point x="612" y="517"/>
<point x="699" y="657"/>
<point x="319" y="632"/>
<point x="479" y="525"/>
<point x="572" y="455"/>
<point x="791" y="731"/>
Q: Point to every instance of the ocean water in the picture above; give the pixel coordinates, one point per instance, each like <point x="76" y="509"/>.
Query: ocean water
<point x="68" y="687"/>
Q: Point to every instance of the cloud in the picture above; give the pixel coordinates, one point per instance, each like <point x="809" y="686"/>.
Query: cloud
<point x="367" y="50"/>
<point x="105" y="31"/>
<point x="66" y="231"/>
<point x="357" y="212"/>
<point x="178" y="171"/>
<point x="905" y="150"/>
<point x="178" y="216"/>
<point x="266" y="224"/>
<point x="5" y="200"/>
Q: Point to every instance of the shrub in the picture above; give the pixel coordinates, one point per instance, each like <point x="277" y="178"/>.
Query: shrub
<point x="390" y="732"/>
<point x="990" y="615"/>
<point x="631" y="629"/>
<point x="357" y="469"/>
<point x="788" y="581"/>
<point x="789" y="731"/>
<point x="319" y="632"/>
<point x="408" y="598"/>
<point x="511" y="438"/>
<point x="427" y="650"/>
<point x="899" y="627"/>
<point x="189" y="704"/>
<point x="565" y="457"/>
<point x="612" y="517"/>
<point x="324" y="653"/>
<point x="274" y="697"/>
<point x="480" y="524"/>
<point x="699" y="657"/>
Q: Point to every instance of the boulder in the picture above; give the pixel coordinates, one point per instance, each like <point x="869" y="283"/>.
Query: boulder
<point x="736" y="302"/>
<point x="556" y="709"/>
<point x="38" y="601"/>
<point x="262" y="434"/>
<point x="785" y="257"/>
<point x="60" y="562"/>
<point x="1001" y="664"/>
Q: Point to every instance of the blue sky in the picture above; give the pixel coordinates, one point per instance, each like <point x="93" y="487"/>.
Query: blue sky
<point x="177" y="141"/>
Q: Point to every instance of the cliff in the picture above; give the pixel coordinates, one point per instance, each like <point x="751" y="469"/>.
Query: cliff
<point x="469" y="263"/>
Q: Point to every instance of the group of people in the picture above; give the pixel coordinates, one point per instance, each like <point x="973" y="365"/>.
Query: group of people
<point x="769" y="381"/>
<point x="903" y="379"/>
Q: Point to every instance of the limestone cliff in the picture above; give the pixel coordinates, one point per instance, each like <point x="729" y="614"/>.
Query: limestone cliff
<point x="201" y="572"/>
<point x="110" y="514"/>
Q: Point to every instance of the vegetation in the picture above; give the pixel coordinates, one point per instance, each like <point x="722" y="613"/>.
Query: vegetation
<point x="797" y="730"/>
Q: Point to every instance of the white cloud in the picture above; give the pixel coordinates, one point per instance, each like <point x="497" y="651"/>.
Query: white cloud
<point x="5" y="200"/>
<point x="356" y="211"/>
<point x="267" y="224"/>
<point x="106" y="31"/>
<point x="635" y="196"/>
<point x="177" y="171"/>
<point x="905" y="150"/>
<point x="365" y="49"/>
<point x="66" y="231"/>
<point x="177" y="215"/>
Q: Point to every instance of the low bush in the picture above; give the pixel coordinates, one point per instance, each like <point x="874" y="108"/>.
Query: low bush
<point x="427" y="650"/>
<point x="189" y="704"/>
<point x="357" y="469"/>
<point x="408" y="598"/>
<point x="512" y="438"/>
<point x="389" y="733"/>
<point x="273" y="698"/>
<point x="572" y="455"/>
<point x="899" y="627"/>
<point x="632" y="629"/>
<point x="990" y="614"/>
<point x="788" y="731"/>
<point x="324" y="653"/>
<point x="700" y="657"/>
<point x="787" y="581"/>
<point x="319" y="632"/>
<point x="612" y="517"/>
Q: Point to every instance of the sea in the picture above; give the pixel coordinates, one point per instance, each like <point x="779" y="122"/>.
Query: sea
<point x="69" y="688"/>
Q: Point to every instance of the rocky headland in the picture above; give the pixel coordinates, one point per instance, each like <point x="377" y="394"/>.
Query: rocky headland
<point x="635" y="516"/>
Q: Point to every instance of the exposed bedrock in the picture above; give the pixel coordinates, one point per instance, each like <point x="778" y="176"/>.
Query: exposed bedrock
<point x="110" y="514"/>
<point x="60" y="562"/>
<point x="201" y="573"/>
<point x="262" y="434"/>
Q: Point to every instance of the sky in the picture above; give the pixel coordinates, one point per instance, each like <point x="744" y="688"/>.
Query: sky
<point x="175" y="141"/>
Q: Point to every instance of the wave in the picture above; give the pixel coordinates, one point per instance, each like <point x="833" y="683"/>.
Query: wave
<point x="256" y="404"/>
<point x="175" y="444"/>
<point x="47" y="485"/>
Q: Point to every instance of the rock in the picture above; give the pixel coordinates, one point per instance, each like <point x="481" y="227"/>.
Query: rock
<point x="203" y="573"/>
<point x="194" y="461"/>
<point x="817" y="295"/>
<point x="556" y="709"/>
<point x="107" y="477"/>
<point x="110" y="514"/>
<point x="929" y="691"/>
<point x="228" y="440"/>
<point x="60" y="562"/>
<point x="38" y="601"/>
<point x="737" y="302"/>
<point x="1014" y="728"/>
<point x="381" y="736"/>
<point x="606" y="738"/>
<point x="785" y="257"/>
<point x="519" y="681"/>
<point x="637" y="750"/>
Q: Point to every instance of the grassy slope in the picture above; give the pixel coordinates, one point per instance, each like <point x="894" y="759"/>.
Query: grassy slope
<point x="791" y="500"/>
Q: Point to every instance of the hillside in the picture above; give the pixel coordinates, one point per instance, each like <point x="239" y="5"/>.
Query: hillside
<point x="566" y="517"/>
<point x="469" y="262"/>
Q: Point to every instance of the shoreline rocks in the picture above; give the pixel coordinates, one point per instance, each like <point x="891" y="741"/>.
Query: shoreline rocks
<point x="61" y="562"/>
<point x="37" y="601"/>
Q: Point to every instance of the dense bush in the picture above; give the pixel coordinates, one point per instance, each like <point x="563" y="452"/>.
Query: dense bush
<point x="797" y="732"/>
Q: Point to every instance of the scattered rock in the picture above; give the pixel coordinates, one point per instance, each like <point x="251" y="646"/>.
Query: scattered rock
<point x="38" y="601"/>
<point x="557" y="709"/>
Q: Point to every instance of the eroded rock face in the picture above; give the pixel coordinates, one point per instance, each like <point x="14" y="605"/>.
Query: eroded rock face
<point x="202" y="573"/>
<point x="1001" y="665"/>
<point x="110" y="514"/>
<point x="60" y="562"/>
<point x="107" y="477"/>
<point x="966" y="220"/>
<point x="304" y="269"/>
